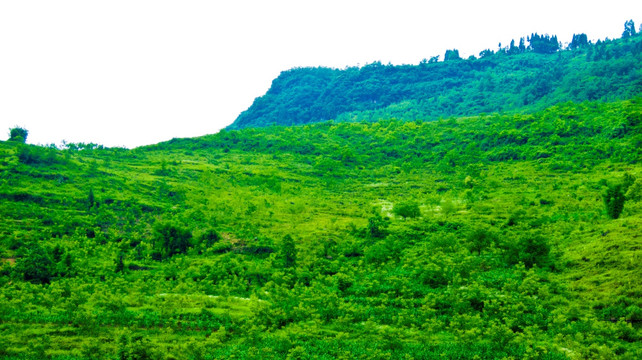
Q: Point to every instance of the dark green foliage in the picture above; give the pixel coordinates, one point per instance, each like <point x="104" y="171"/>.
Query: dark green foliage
<point x="91" y="200"/>
<point x="579" y="41"/>
<point x="530" y="249"/>
<point x="57" y="253"/>
<point x="171" y="238"/>
<point x="343" y="281"/>
<point x="67" y="265"/>
<point x="120" y="264"/>
<point x="18" y="134"/>
<point x="377" y="227"/>
<point x="288" y="252"/>
<point x="452" y="55"/>
<point x="36" y="265"/>
<point x="614" y="200"/>
<point x="543" y="44"/>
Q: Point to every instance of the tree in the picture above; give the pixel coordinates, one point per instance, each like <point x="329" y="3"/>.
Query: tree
<point x="288" y="252"/>
<point x="36" y="266"/>
<point x="18" y="134"/>
<point x="579" y="41"/>
<point x="452" y="55"/>
<point x="485" y="53"/>
<point x="629" y="29"/>
<point x="512" y="49"/>
<point x="522" y="45"/>
<point x="543" y="44"/>
<point x="614" y="201"/>
<point x="480" y="239"/>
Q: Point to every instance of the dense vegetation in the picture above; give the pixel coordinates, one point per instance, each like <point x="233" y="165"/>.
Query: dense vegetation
<point x="491" y="236"/>
<point x="530" y="76"/>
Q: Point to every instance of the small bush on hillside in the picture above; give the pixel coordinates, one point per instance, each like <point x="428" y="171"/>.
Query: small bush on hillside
<point x="288" y="252"/>
<point x="407" y="209"/>
<point x="377" y="227"/>
<point x="171" y="239"/>
<point x="18" y="134"/>
<point x="209" y="238"/>
<point x="531" y="249"/>
<point x="480" y="239"/>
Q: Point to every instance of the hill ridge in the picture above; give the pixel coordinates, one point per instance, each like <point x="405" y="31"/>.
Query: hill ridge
<point x="512" y="79"/>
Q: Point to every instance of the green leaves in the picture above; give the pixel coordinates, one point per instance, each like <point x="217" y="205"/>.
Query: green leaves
<point x="36" y="265"/>
<point x="614" y="201"/>
<point x="171" y="238"/>
<point x="530" y="249"/>
<point x="288" y="252"/>
<point x="407" y="209"/>
<point x="18" y="134"/>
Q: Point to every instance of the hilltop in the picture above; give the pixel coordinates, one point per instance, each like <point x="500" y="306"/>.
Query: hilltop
<point x="529" y="76"/>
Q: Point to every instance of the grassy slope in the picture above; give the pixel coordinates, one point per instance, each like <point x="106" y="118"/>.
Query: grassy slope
<point x="419" y="291"/>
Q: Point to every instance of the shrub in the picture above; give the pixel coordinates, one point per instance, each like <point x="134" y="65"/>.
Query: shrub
<point x="209" y="238"/>
<point x="531" y="249"/>
<point x="408" y="209"/>
<point x="480" y="239"/>
<point x="34" y="155"/>
<point x="171" y="238"/>
<point x="377" y="227"/>
<point x="288" y="252"/>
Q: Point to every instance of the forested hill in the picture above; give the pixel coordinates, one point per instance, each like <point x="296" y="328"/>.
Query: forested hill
<point x="530" y="76"/>
<point x="502" y="236"/>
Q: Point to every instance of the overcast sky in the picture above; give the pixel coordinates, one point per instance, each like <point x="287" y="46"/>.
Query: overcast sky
<point x="131" y="73"/>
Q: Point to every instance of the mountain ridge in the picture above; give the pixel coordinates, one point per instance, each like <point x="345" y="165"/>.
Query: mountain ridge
<point x="512" y="79"/>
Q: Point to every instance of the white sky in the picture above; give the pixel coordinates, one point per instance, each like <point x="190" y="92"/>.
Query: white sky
<point x="131" y="73"/>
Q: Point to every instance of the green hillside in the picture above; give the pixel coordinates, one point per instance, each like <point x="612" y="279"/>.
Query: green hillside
<point x="513" y="236"/>
<point x="527" y="77"/>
